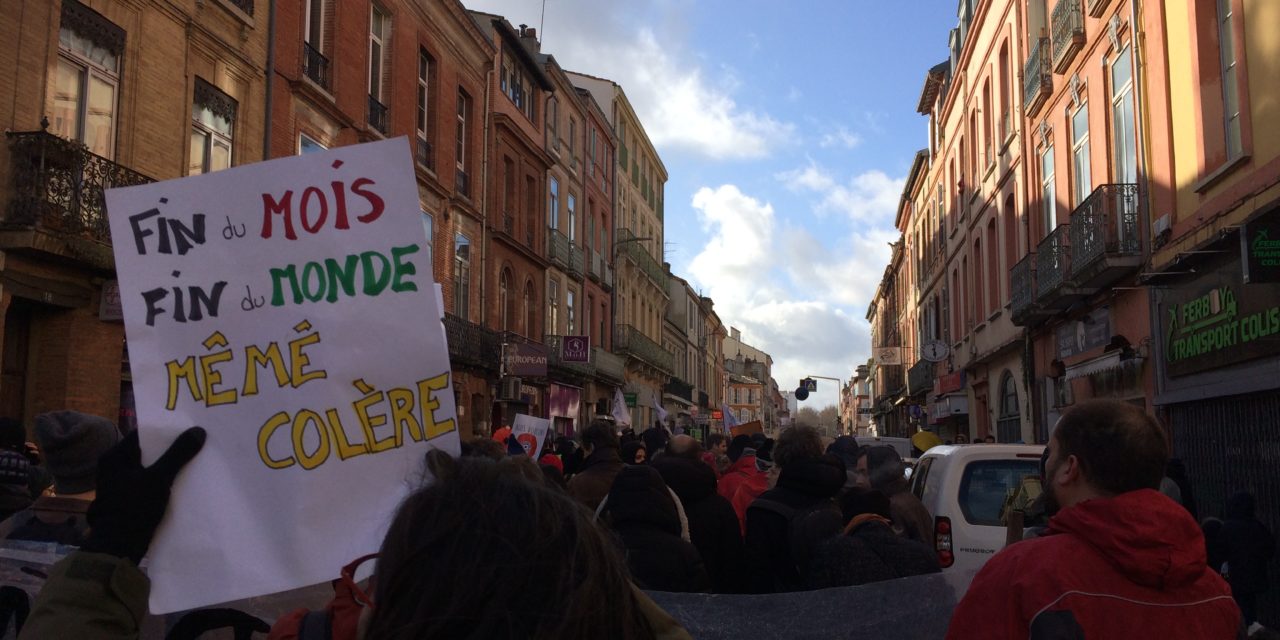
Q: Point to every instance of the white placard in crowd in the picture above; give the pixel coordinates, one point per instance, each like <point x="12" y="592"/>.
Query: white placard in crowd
<point x="531" y="433"/>
<point x="288" y="308"/>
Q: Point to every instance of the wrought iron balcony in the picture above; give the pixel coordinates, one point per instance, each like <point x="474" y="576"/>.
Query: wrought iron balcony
<point x="1037" y="78"/>
<point x="679" y="388"/>
<point x="629" y="341"/>
<point x="471" y="345"/>
<point x="58" y="186"/>
<point x="378" y="115"/>
<point x="555" y="361"/>
<point x="315" y="65"/>
<point x="610" y="367"/>
<point x="1068" y="33"/>
<point x="637" y="254"/>
<point x="558" y="248"/>
<point x="424" y="154"/>
<point x="576" y="260"/>
<point x="1054" y="287"/>
<point x="1104" y="235"/>
<point x="1022" y="293"/>
<point x="462" y="183"/>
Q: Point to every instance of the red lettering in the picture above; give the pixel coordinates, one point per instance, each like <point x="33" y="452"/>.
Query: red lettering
<point x="284" y="207"/>
<point x="375" y="201"/>
<point x="305" y="209"/>
<point x="340" y="210"/>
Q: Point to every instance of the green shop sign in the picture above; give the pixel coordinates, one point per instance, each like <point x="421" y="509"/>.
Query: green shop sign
<point x="1260" y="248"/>
<point x="1217" y="320"/>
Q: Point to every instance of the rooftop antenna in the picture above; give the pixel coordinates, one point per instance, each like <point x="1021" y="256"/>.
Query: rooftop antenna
<point x="542" y="21"/>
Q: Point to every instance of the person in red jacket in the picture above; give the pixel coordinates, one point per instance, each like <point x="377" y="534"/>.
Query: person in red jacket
<point x="742" y="474"/>
<point x="1118" y="560"/>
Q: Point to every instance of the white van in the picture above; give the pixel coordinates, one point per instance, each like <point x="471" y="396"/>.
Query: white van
<point x="964" y="487"/>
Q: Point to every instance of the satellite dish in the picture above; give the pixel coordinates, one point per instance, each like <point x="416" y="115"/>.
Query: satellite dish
<point x="802" y="393"/>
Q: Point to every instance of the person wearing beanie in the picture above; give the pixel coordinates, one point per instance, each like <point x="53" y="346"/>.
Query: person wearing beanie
<point x="71" y="443"/>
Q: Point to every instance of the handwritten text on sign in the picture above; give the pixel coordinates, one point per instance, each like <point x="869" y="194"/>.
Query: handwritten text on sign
<point x="288" y="308"/>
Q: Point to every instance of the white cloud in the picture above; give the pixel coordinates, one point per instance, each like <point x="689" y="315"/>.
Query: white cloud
<point x="678" y="102"/>
<point x="867" y="197"/>
<point x="841" y="137"/>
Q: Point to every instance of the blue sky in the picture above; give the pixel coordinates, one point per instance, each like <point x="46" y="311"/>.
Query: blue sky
<point x="787" y="130"/>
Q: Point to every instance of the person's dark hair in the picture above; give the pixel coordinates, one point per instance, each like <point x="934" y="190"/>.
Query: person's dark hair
<point x="858" y="501"/>
<point x="736" y="446"/>
<point x="758" y="439"/>
<point x="885" y="468"/>
<point x="13" y="435"/>
<point x="483" y="448"/>
<point x="629" y="450"/>
<point x="1119" y="446"/>
<point x="715" y="439"/>
<point x="531" y="555"/>
<point x="599" y="435"/>
<point x="797" y="443"/>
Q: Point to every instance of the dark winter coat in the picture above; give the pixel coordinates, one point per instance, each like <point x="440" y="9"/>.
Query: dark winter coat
<point x="911" y="519"/>
<point x="642" y="512"/>
<point x="713" y="526"/>
<point x="49" y="519"/>
<point x="804" y="485"/>
<point x="871" y="552"/>
<point x="1246" y="545"/>
<point x="15" y="477"/>
<point x="591" y="484"/>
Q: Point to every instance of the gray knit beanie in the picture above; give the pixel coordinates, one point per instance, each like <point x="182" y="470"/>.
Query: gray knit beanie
<point x="71" y="443"/>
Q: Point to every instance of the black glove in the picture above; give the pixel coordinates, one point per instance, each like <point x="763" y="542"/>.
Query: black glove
<point x="131" y="499"/>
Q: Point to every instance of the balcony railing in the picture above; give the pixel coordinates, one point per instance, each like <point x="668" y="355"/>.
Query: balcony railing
<point x="58" y="186"/>
<point x="628" y="340"/>
<point x="1068" y="33"/>
<point x="378" y="115"/>
<point x="1022" y="292"/>
<point x="424" y="155"/>
<point x="471" y="345"/>
<point x="1053" y="264"/>
<point x="1104" y="235"/>
<point x="610" y="367"/>
<point x="1037" y="78"/>
<point x="576" y="260"/>
<point x="554" y="360"/>
<point x="315" y="65"/>
<point x="606" y="276"/>
<point x="641" y="257"/>
<point x="558" y="248"/>
<point x="462" y="183"/>
<point x="680" y="389"/>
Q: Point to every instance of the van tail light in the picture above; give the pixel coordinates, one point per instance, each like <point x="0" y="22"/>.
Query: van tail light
<point x="942" y="538"/>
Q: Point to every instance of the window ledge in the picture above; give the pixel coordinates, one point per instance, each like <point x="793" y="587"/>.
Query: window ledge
<point x="237" y="12"/>
<point x="994" y="314"/>
<point x="991" y="166"/>
<point x="980" y="327"/>
<point x="1229" y="167"/>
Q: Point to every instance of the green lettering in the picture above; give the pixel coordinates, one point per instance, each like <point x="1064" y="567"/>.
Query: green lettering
<point x="344" y="275"/>
<point x="277" y="295"/>
<point x="374" y="284"/>
<point x="403" y="269"/>
<point x="308" y="271"/>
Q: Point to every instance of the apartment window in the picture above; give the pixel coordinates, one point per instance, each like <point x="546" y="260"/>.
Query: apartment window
<point x="955" y="304"/>
<point x="993" y="268"/>
<point x="461" y="275"/>
<point x="1230" y="83"/>
<point x="213" y="116"/>
<point x="589" y="237"/>
<point x="530" y="311"/>
<point x="314" y="21"/>
<point x="603" y="318"/>
<point x="1080" y="154"/>
<point x="1005" y="106"/>
<point x="571" y="321"/>
<point x="573" y="142"/>
<point x="553" y="306"/>
<point x="988" y="114"/>
<point x="307" y="144"/>
<point x="460" y="137"/>
<point x="87" y="80"/>
<point x="1010" y="232"/>
<point x="553" y="119"/>
<point x="516" y="84"/>
<point x="553" y="208"/>
<point x="1125" y="141"/>
<point x="966" y="294"/>
<point x="1048" y="194"/>
<point x="379" y="30"/>
<point x="591" y="313"/>
<point x="591" y="156"/>
<point x="979" y="274"/>
<point x="573" y="218"/>
<point x="429" y="226"/>
<point x="424" y="95"/>
<point x="504" y="299"/>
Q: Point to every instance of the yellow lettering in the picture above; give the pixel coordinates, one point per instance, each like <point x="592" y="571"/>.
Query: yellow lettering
<point x="298" y="360"/>
<point x="212" y="378"/>
<point x="264" y="435"/>
<point x="427" y="396"/>
<point x="186" y="370"/>
<point x="300" y="422"/>
<point x="402" y="415"/>
<point x="255" y="357"/>
<point x="369" y="422"/>
<point x="345" y="448"/>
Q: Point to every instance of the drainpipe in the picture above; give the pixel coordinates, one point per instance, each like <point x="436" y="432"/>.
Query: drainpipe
<point x="484" y="200"/>
<point x="270" y="73"/>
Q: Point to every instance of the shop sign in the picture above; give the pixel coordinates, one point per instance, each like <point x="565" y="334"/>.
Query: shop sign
<point x="109" y="308"/>
<point x="575" y="349"/>
<point x="524" y="359"/>
<point x="717" y="415"/>
<point x="630" y="398"/>
<point x="1216" y="320"/>
<point x="1260" y="248"/>
<point x="951" y="382"/>
<point x="919" y="377"/>
<point x="1090" y="332"/>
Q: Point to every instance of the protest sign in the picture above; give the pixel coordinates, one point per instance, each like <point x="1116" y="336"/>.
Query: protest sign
<point x="531" y="433"/>
<point x="288" y="308"/>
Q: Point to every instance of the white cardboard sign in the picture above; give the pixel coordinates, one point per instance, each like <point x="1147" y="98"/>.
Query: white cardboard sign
<point x="288" y="308"/>
<point x="531" y="433"/>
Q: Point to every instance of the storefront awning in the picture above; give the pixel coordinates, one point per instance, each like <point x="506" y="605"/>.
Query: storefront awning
<point x="1106" y="362"/>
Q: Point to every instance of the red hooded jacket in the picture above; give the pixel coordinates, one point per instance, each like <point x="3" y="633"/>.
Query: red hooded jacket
<point x="742" y="484"/>
<point x="1132" y="566"/>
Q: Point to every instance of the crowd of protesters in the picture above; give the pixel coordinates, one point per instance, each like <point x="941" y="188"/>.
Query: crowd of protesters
<point x="501" y="543"/>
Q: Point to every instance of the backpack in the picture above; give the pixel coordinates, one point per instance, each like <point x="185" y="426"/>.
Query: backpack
<point x="807" y="528"/>
<point x="338" y="620"/>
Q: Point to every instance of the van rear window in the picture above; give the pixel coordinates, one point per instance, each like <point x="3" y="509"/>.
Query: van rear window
<point x="985" y="485"/>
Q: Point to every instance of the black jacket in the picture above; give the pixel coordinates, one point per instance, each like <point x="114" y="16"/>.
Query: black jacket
<point x="591" y="484"/>
<point x="804" y="486"/>
<point x="642" y="512"/>
<point x="870" y="553"/>
<point x="1246" y="545"/>
<point x="713" y="525"/>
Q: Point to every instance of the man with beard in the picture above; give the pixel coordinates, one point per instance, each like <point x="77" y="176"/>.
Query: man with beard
<point x="1118" y="559"/>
